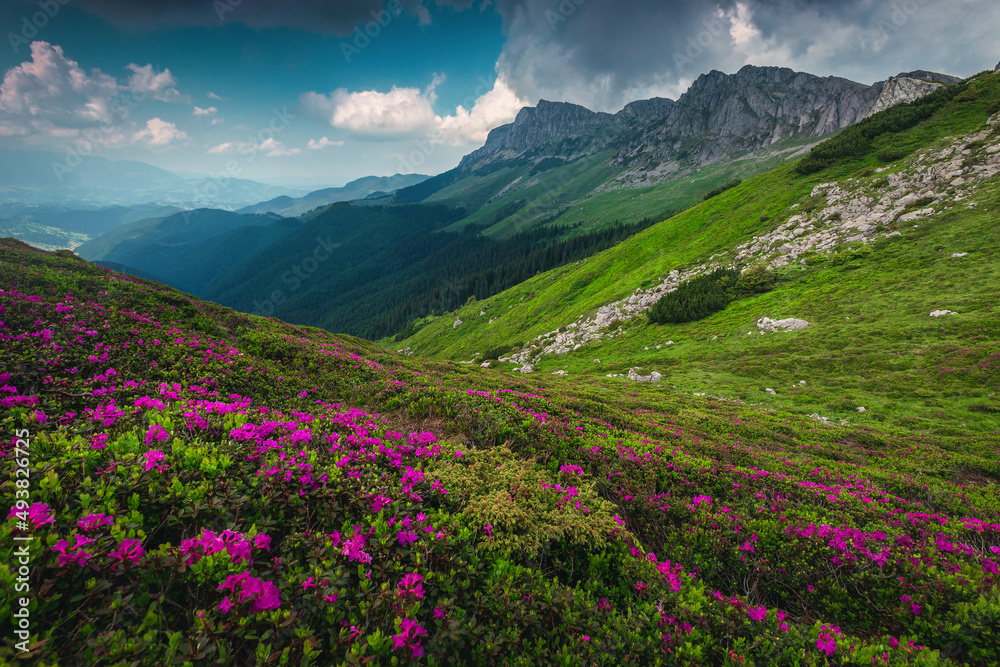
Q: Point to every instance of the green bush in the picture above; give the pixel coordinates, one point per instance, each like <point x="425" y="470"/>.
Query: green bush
<point x="891" y="154"/>
<point x="497" y="351"/>
<point x="696" y="298"/>
<point x="722" y="188"/>
<point x="756" y="280"/>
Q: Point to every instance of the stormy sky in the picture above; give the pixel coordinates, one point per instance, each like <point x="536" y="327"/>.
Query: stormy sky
<point x="383" y="86"/>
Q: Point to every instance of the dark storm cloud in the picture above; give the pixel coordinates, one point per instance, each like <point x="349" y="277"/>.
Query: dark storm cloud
<point x="604" y="53"/>
<point x="338" y="17"/>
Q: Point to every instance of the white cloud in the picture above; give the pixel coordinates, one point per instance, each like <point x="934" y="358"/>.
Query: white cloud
<point x="496" y="107"/>
<point x="317" y="144"/>
<point x="399" y="113"/>
<point x="214" y="96"/>
<point x="409" y="113"/>
<point x="270" y="147"/>
<point x="226" y="147"/>
<point x="51" y="91"/>
<point x="210" y="111"/>
<point x="274" y="148"/>
<point x="218" y="121"/>
<point x="159" y="133"/>
<point x="160" y="86"/>
<point x="50" y="101"/>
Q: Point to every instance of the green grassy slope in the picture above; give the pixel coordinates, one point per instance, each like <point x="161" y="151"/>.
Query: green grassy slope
<point x="208" y="486"/>
<point x="889" y="357"/>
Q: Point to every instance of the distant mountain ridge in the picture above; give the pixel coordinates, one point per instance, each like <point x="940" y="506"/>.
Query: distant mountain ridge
<point x="43" y="177"/>
<point x="361" y="188"/>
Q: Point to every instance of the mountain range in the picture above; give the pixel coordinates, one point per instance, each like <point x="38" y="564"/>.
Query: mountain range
<point x="559" y="172"/>
<point x="58" y="179"/>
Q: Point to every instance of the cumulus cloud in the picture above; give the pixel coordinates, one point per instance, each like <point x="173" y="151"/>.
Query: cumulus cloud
<point x="216" y="96"/>
<point x="51" y="100"/>
<point x="159" y="134"/>
<point x="157" y="85"/>
<point x="409" y="113"/>
<point x="324" y="142"/>
<point x="227" y="147"/>
<point x="210" y="111"/>
<point x="51" y="91"/>
<point x="274" y="148"/>
<point x="270" y="147"/>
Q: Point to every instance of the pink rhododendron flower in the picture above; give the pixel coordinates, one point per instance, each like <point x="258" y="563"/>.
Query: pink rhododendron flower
<point x="757" y="613"/>
<point x="408" y="637"/>
<point x="92" y="521"/>
<point x="153" y="459"/>
<point x="826" y="643"/>
<point x="411" y="586"/>
<point x="39" y="515"/>
<point x="156" y="433"/>
<point x="128" y="550"/>
<point x="263" y="595"/>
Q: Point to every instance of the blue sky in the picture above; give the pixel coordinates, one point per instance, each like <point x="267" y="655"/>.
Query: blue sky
<point x="293" y="93"/>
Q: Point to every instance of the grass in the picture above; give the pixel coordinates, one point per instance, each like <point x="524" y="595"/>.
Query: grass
<point x="871" y="343"/>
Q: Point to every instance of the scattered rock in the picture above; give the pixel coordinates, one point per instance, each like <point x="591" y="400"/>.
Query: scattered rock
<point x="481" y="313"/>
<point x="485" y="364"/>
<point x="634" y="376"/>
<point x="861" y="408"/>
<point x="766" y="324"/>
<point x="771" y="391"/>
<point x="457" y="324"/>
<point x="560" y="373"/>
<point x="526" y="368"/>
<point x="669" y="342"/>
<point x="802" y="383"/>
<point x="959" y="254"/>
<point x="941" y="313"/>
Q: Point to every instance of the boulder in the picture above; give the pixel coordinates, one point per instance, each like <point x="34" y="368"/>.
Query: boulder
<point x="633" y="376"/>
<point x="771" y="391"/>
<point x="485" y="364"/>
<point x="942" y="313"/>
<point x="457" y="324"/>
<point x="788" y="324"/>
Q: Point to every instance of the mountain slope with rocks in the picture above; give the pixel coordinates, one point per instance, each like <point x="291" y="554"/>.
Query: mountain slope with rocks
<point x="724" y="126"/>
<point x="895" y="238"/>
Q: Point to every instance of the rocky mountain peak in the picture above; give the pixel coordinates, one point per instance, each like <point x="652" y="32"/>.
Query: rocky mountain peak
<point x="719" y="117"/>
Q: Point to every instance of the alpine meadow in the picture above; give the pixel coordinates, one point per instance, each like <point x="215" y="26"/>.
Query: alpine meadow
<point x="528" y="332"/>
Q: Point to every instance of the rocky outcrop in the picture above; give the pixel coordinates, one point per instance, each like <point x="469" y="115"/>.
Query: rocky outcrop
<point x="897" y="90"/>
<point x="942" y="313"/>
<point x="766" y="324"/>
<point x="633" y="376"/>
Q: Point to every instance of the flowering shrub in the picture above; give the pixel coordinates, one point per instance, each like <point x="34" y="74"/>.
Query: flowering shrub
<point x="209" y="487"/>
